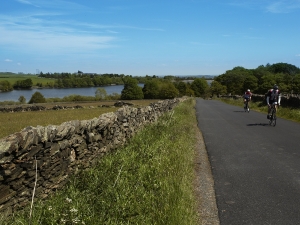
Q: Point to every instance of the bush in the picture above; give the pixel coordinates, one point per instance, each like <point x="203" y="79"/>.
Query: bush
<point x="22" y="99"/>
<point x="37" y="97"/>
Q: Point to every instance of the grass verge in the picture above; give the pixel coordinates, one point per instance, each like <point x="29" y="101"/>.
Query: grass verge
<point x="148" y="181"/>
<point x="283" y="112"/>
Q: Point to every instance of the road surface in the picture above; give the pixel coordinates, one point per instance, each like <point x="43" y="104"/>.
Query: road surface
<point x="255" y="167"/>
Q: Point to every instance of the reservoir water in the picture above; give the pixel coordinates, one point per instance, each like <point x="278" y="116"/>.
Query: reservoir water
<point x="62" y="92"/>
<point x="59" y="93"/>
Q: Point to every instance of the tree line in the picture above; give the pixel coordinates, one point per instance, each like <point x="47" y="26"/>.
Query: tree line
<point x="258" y="80"/>
<point x="154" y="88"/>
<point x="234" y="81"/>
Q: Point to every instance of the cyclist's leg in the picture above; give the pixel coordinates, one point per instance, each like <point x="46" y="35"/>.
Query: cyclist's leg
<point x="275" y="110"/>
<point x="269" y="109"/>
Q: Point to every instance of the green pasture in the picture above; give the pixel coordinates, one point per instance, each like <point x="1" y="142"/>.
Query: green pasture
<point x="12" y="78"/>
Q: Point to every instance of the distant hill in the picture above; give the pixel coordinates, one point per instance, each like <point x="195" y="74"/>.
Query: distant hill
<point x="206" y="76"/>
<point x="192" y="76"/>
<point x="197" y="76"/>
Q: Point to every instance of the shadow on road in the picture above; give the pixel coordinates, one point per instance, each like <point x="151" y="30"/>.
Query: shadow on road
<point x="242" y="111"/>
<point x="257" y="124"/>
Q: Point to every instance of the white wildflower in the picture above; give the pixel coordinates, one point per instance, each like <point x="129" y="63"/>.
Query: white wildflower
<point x="73" y="210"/>
<point x="50" y="208"/>
<point x="76" y="220"/>
<point x="69" y="200"/>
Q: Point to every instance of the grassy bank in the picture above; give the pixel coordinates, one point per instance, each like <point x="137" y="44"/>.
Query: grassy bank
<point x="283" y="112"/>
<point x="148" y="181"/>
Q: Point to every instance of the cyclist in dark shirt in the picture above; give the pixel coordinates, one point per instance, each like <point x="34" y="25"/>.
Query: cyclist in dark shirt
<point x="273" y="97"/>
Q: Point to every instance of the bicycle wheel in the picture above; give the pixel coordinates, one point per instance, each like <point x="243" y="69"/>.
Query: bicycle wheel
<point x="246" y="106"/>
<point x="272" y="120"/>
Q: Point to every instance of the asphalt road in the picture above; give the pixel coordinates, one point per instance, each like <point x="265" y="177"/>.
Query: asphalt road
<point x="255" y="167"/>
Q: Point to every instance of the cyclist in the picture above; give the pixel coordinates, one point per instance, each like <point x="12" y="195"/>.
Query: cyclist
<point x="273" y="96"/>
<point x="247" y="97"/>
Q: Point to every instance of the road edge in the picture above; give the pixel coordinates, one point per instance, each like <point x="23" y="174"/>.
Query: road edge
<point x="204" y="185"/>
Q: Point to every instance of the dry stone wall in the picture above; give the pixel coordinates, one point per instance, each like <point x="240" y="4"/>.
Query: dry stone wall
<point x="53" y="153"/>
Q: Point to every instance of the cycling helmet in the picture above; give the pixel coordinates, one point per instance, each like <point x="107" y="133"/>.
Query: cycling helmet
<point x="248" y="90"/>
<point x="275" y="87"/>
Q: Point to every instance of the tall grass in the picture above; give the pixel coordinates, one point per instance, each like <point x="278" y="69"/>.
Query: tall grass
<point x="148" y="181"/>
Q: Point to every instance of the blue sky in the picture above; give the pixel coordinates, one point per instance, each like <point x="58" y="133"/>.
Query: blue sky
<point x="153" y="37"/>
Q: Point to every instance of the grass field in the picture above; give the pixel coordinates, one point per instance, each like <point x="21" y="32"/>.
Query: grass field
<point x="148" y="181"/>
<point x="12" y="78"/>
<point x="14" y="122"/>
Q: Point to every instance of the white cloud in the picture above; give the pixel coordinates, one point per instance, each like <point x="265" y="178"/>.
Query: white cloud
<point x="278" y="6"/>
<point x="298" y="55"/>
<point x="53" y="42"/>
<point x="8" y="60"/>
<point x="33" y="34"/>
<point x="54" y="4"/>
<point x="19" y="64"/>
<point x="283" y="6"/>
<point x="27" y="2"/>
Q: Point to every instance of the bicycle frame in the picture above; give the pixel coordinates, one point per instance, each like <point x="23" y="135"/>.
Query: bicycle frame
<point x="272" y="120"/>
<point x="246" y="105"/>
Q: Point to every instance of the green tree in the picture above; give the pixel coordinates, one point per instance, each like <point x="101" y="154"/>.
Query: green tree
<point x="182" y="88"/>
<point x="267" y="83"/>
<point x="22" y="99"/>
<point x="151" y="89"/>
<point x="131" y="89"/>
<point x="5" y="86"/>
<point x="250" y="83"/>
<point x="217" y="89"/>
<point x="296" y="84"/>
<point x="168" y="90"/>
<point x="37" y="97"/>
<point x="24" y="84"/>
<point x="284" y="68"/>
<point x="199" y="86"/>
<point x="101" y="94"/>
<point x="190" y="92"/>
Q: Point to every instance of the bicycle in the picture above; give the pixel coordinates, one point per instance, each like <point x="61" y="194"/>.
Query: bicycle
<point x="246" y="106"/>
<point x="272" y="117"/>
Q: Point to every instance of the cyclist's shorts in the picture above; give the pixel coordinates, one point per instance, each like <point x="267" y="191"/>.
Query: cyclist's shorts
<point x="272" y="102"/>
